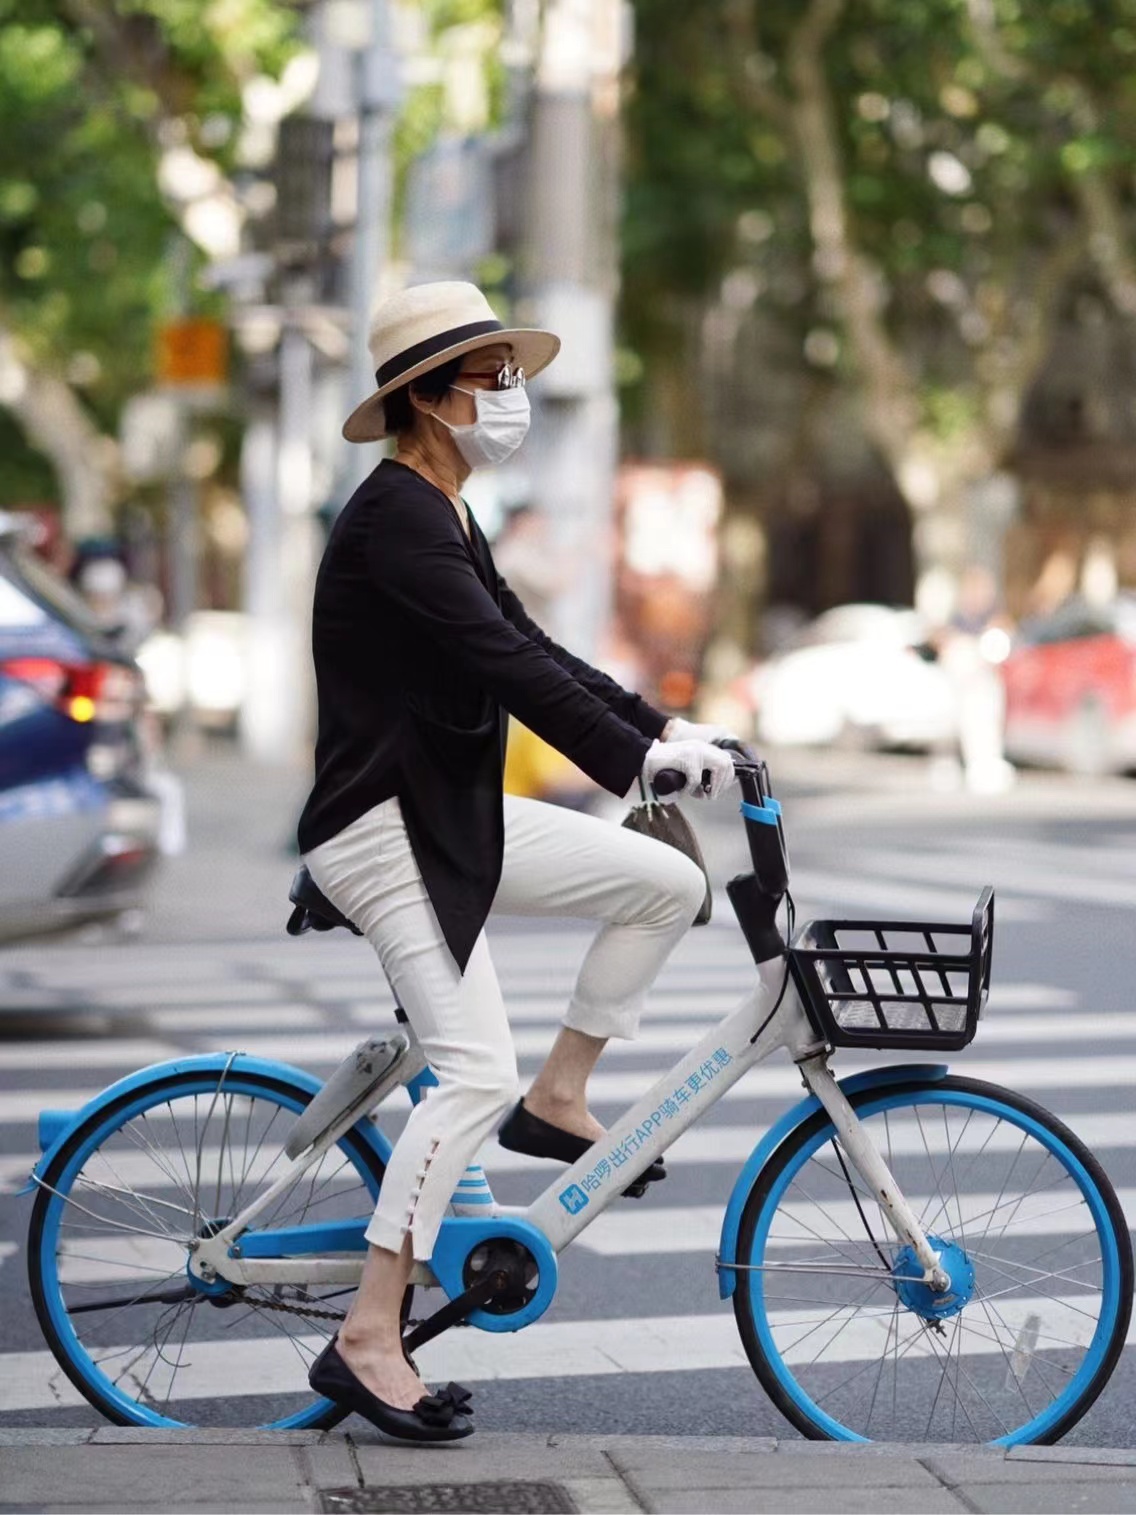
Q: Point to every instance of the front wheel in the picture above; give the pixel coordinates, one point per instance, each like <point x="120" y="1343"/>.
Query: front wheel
<point x="851" y="1347"/>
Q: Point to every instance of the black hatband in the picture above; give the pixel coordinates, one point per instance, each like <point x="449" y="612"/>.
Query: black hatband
<point x="403" y="362"/>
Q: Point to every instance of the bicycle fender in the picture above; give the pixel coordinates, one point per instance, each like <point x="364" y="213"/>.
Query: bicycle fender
<point x="55" y="1126"/>
<point x="855" y="1083"/>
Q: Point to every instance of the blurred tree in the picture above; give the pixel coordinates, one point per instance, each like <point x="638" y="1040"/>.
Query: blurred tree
<point x="100" y="101"/>
<point x="913" y="188"/>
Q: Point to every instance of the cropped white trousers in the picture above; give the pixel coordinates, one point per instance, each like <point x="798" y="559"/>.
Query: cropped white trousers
<point x="557" y="862"/>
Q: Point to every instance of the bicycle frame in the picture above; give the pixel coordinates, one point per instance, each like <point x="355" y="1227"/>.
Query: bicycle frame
<point x="747" y="1036"/>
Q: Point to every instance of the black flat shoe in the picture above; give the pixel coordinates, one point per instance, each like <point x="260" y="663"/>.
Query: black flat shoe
<point x="444" y="1416"/>
<point x="523" y="1131"/>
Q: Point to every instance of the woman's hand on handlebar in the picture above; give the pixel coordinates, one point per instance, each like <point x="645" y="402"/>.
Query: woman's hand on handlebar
<point x="678" y="730"/>
<point x="708" y="771"/>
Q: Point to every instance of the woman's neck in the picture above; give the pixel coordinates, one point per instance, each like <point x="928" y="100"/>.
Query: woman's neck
<point x="445" y="473"/>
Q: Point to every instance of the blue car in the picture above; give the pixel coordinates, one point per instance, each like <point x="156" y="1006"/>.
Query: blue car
<point x="79" y="828"/>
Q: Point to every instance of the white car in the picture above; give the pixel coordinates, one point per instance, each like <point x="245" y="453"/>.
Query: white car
<point x="855" y="674"/>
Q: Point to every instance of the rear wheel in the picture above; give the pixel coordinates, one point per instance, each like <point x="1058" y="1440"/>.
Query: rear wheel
<point x="110" y="1237"/>
<point x="851" y="1347"/>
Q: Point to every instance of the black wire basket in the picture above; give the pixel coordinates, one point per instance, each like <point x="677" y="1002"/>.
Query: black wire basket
<point x="896" y="983"/>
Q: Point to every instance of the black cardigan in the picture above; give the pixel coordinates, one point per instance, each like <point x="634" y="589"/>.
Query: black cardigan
<point x="420" y="648"/>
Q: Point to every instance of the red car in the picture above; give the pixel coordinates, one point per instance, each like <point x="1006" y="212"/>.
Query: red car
<point x="1071" y="688"/>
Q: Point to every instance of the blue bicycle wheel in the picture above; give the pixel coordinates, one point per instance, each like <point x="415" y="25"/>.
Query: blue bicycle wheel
<point x="110" y="1237"/>
<point x="847" y="1341"/>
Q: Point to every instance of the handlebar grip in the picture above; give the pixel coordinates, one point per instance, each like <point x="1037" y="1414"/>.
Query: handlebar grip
<point x="669" y="781"/>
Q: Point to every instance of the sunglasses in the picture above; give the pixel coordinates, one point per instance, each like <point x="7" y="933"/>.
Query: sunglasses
<point x="507" y="376"/>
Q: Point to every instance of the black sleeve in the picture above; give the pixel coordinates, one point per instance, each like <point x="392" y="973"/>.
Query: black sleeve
<point x="416" y="559"/>
<point x="632" y="708"/>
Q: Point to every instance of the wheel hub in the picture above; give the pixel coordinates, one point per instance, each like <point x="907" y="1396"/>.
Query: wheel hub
<point x="218" y="1291"/>
<point x="920" y="1297"/>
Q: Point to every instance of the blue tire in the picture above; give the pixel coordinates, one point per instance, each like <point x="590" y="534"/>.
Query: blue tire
<point x="93" y="1273"/>
<point x="850" y="1346"/>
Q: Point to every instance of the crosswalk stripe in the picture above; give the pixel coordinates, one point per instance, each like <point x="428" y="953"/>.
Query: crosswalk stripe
<point x="651" y="1345"/>
<point x="698" y="1228"/>
<point x="530" y="1041"/>
<point x="109" y="1053"/>
<point x="769" y="1081"/>
<point x="1008" y="872"/>
<point x="695" y="1004"/>
<point x="234" y="990"/>
<point x="689" y="1228"/>
<point x="222" y="1017"/>
<point x="700" y="1146"/>
<point x="862" y="893"/>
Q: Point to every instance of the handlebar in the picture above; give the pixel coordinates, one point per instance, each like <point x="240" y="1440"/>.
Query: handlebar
<point x="764" y="830"/>
<point x="673" y="780"/>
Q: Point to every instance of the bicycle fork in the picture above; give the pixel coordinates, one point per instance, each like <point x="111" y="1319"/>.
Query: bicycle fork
<point x="872" y="1169"/>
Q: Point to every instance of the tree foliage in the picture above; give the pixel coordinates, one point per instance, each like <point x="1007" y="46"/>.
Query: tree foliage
<point x="91" y="93"/>
<point x="925" y="180"/>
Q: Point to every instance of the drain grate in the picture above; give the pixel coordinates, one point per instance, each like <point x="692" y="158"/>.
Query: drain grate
<point x="462" y="1498"/>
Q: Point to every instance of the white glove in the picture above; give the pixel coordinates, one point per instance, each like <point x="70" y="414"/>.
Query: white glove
<point x="691" y="758"/>
<point x="678" y="730"/>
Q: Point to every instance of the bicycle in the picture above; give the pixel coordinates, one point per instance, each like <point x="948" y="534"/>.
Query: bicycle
<point x="195" y="1223"/>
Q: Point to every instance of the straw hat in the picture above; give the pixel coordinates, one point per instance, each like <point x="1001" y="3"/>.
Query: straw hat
<point x="425" y="326"/>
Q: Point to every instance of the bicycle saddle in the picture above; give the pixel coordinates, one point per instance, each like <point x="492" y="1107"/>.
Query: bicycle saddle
<point x="314" y="911"/>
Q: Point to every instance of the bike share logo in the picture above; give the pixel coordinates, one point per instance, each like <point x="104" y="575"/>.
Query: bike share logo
<point x="573" y="1199"/>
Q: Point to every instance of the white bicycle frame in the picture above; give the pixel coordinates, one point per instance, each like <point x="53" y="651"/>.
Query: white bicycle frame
<point x="748" y="1035"/>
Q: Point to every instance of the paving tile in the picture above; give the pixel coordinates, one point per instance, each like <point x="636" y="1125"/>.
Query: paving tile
<point x="968" y="1468"/>
<point x="1116" y="1457"/>
<point x="601" y="1496"/>
<point x="1041" y="1498"/>
<point x="330" y="1464"/>
<point x="673" y="1471"/>
<point x="44" y="1436"/>
<point x="460" y="1462"/>
<point x="156" y="1436"/>
<point x="154" y="1477"/>
<point x="808" y="1501"/>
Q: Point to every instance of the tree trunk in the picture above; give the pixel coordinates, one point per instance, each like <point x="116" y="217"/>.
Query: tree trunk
<point x="57" y="424"/>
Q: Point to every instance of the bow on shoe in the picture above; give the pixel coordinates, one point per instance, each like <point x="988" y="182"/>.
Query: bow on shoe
<point x="439" y="1409"/>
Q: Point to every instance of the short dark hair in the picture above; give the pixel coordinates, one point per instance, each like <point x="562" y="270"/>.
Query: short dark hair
<point x="399" y="413"/>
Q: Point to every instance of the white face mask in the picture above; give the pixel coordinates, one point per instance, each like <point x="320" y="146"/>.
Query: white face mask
<point x="501" y="426"/>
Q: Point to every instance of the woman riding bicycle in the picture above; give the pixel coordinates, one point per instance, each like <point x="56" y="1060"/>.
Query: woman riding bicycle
<point x="420" y="649"/>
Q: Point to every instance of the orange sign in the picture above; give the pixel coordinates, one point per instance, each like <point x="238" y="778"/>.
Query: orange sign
<point x="192" y="352"/>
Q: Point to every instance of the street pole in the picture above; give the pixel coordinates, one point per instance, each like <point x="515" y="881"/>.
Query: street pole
<point x="569" y="271"/>
<point x="375" y="83"/>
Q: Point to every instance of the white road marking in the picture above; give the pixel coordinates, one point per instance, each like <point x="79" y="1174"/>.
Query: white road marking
<point x="698" y="1228"/>
<point x="861" y="893"/>
<point x="103" y="1052"/>
<point x="775" y="1080"/>
<point x="1036" y="875"/>
<point x="701" y="1145"/>
<point x="189" y="1019"/>
<point x="240" y="1367"/>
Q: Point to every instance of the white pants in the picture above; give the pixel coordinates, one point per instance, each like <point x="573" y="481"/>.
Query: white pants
<point x="556" y="862"/>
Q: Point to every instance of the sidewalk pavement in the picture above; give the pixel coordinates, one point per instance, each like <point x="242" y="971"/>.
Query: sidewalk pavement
<point x="126" y="1469"/>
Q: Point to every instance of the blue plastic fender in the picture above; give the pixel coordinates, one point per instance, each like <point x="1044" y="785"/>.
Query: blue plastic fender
<point x="55" y="1126"/>
<point x="855" y="1083"/>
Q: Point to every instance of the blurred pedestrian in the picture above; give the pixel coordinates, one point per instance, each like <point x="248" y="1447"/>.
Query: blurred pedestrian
<point x="420" y="645"/>
<point x="968" y="647"/>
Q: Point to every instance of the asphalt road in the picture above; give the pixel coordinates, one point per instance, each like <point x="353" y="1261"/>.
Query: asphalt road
<point x="213" y="969"/>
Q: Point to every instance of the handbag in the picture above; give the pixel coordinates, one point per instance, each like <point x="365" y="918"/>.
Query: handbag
<point x="666" y="823"/>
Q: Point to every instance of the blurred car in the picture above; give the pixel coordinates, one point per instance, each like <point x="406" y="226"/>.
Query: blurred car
<point x="203" y="672"/>
<point x="1070" y="684"/>
<point x="859" y="674"/>
<point x="79" y="828"/>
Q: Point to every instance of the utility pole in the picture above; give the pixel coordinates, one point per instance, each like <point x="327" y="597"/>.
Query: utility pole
<point x="364" y="70"/>
<point x="569" y="280"/>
